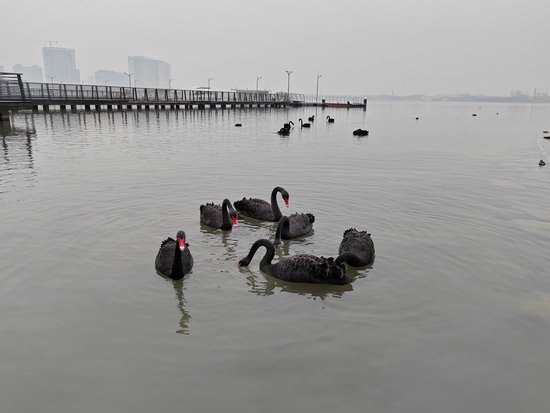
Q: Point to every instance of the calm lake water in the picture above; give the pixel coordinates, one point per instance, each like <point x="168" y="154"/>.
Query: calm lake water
<point x="453" y="316"/>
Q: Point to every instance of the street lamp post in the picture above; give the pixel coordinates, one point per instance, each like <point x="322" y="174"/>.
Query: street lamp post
<point x="317" y="90"/>
<point x="288" y="72"/>
<point x="170" y="84"/>
<point x="209" y="79"/>
<point x="51" y="78"/>
<point x="257" y="78"/>
<point x="129" y="78"/>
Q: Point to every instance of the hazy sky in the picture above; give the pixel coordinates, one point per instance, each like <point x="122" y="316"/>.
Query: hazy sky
<point x="361" y="47"/>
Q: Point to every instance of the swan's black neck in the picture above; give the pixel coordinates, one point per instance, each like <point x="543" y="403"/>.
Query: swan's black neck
<point x="177" y="269"/>
<point x="274" y="206"/>
<point x="345" y="257"/>
<point x="283" y="224"/>
<point x="265" y="263"/>
<point x="226" y="221"/>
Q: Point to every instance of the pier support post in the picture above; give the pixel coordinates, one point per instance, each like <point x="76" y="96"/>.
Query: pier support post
<point x="4" y="116"/>
<point x="87" y="108"/>
<point x="110" y="108"/>
<point x="365" y="104"/>
<point x="73" y="108"/>
<point x="119" y="107"/>
<point x="129" y="107"/>
<point x="45" y="108"/>
<point x="35" y="108"/>
<point x="146" y="107"/>
<point x="138" y="107"/>
<point x="62" y="108"/>
<point x="98" y="108"/>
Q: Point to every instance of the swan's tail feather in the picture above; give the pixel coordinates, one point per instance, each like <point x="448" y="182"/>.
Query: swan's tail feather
<point x="311" y="217"/>
<point x="239" y="204"/>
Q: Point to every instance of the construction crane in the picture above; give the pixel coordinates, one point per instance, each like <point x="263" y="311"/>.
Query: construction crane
<point x="36" y="40"/>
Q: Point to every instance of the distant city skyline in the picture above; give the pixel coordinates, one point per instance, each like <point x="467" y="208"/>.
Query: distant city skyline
<point x="360" y="48"/>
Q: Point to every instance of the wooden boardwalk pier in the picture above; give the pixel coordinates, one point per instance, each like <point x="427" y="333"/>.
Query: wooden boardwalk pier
<point x="18" y="95"/>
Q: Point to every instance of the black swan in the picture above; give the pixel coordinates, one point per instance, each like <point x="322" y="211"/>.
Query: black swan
<point x="303" y="268"/>
<point x="360" y="132"/>
<point x="174" y="259"/>
<point x="356" y="248"/>
<point x="260" y="209"/>
<point x="238" y="125"/>
<point x="542" y="163"/>
<point x="287" y="125"/>
<point x="221" y="216"/>
<point x="304" y="125"/>
<point x="293" y="226"/>
<point x="546" y="137"/>
<point x="284" y="131"/>
<point x="311" y="118"/>
<point x="330" y="120"/>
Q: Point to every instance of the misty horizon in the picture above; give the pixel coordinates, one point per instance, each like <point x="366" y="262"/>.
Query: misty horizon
<point x="426" y="48"/>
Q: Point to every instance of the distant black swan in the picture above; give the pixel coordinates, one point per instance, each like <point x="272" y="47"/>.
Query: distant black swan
<point x="218" y="216"/>
<point x="330" y="120"/>
<point x="174" y="259"/>
<point x="356" y="248"/>
<point x="284" y="131"/>
<point x="287" y="125"/>
<point x="360" y="132"/>
<point x="238" y="125"/>
<point x="304" y="125"/>
<point x="303" y="268"/>
<point x="542" y="163"/>
<point x="294" y="226"/>
<point x="262" y="210"/>
<point x="311" y="118"/>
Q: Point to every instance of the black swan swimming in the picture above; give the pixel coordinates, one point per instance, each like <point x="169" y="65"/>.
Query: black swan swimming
<point x="546" y="137"/>
<point x="238" y="125"/>
<point x="356" y="248"/>
<point x="284" y="131"/>
<point x="262" y="210"/>
<point x="174" y="258"/>
<point x="304" y="125"/>
<point x="542" y="163"/>
<point x="293" y="226"/>
<point x="303" y="268"/>
<point x="311" y="118"/>
<point x="287" y="125"/>
<point x="360" y="132"/>
<point x="221" y="216"/>
<point x="330" y="120"/>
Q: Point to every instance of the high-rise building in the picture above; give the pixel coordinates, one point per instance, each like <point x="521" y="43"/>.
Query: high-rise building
<point x="29" y="73"/>
<point x="60" y="65"/>
<point x="110" y="78"/>
<point x="149" y="72"/>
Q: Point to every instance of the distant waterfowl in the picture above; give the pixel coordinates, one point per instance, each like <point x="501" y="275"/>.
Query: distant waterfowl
<point x="238" y="125"/>
<point x="304" y="125"/>
<point x="303" y="268"/>
<point x="287" y="125"/>
<point x="417" y="118"/>
<point x="356" y="248"/>
<point x="311" y="118"/>
<point x="293" y="226"/>
<point x="174" y="258"/>
<point x="360" y="132"/>
<point x="221" y="216"/>
<point x="330" y="120"/>
<point x="262" y="210"/>
<point x="542" y="163"/>
<point x="284" y="131"/>
<point x="545" y="131"/>
<point x="546" y="137"/>
<point x="474" y="114"/>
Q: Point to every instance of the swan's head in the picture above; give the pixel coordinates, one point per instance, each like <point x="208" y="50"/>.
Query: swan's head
<point x="181" y="240"/>
<point x="243" y="263"/>
<point x="286" y="197"/>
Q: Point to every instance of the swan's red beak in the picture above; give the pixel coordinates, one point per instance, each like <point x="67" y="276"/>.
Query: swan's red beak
<point x="286" y="202"/>
<point x="234" y="221"/>
<point x="181" y="241"/>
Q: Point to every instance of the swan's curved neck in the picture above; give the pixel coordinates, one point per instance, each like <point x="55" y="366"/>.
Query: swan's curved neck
<point x="283" y="224"/>
<point x="274" y="206"/>
<point x="226" y="221"/>
<point x="345" y="257"/>
<point x="265" y="263"/>
<point x="177" y="269"/>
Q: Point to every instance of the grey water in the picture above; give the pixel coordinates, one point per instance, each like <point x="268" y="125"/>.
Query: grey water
<point x="453" y="316"/>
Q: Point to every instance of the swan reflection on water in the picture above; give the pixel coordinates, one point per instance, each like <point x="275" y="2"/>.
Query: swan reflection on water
<point x="228" y="241"/>
<point x="185" y="317"/>
<point x="264" y="285"/>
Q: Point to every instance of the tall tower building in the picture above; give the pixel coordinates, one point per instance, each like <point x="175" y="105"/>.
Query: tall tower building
<point x="149" y="72"/>
<point x="29" y="73"/>
<point x="60" y="65"/>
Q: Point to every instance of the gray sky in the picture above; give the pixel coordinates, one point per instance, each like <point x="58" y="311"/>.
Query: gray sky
<point x="361" y="47"/>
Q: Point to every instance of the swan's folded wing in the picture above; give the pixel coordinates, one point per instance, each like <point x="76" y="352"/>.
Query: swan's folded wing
<point x="165" y="256"/>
